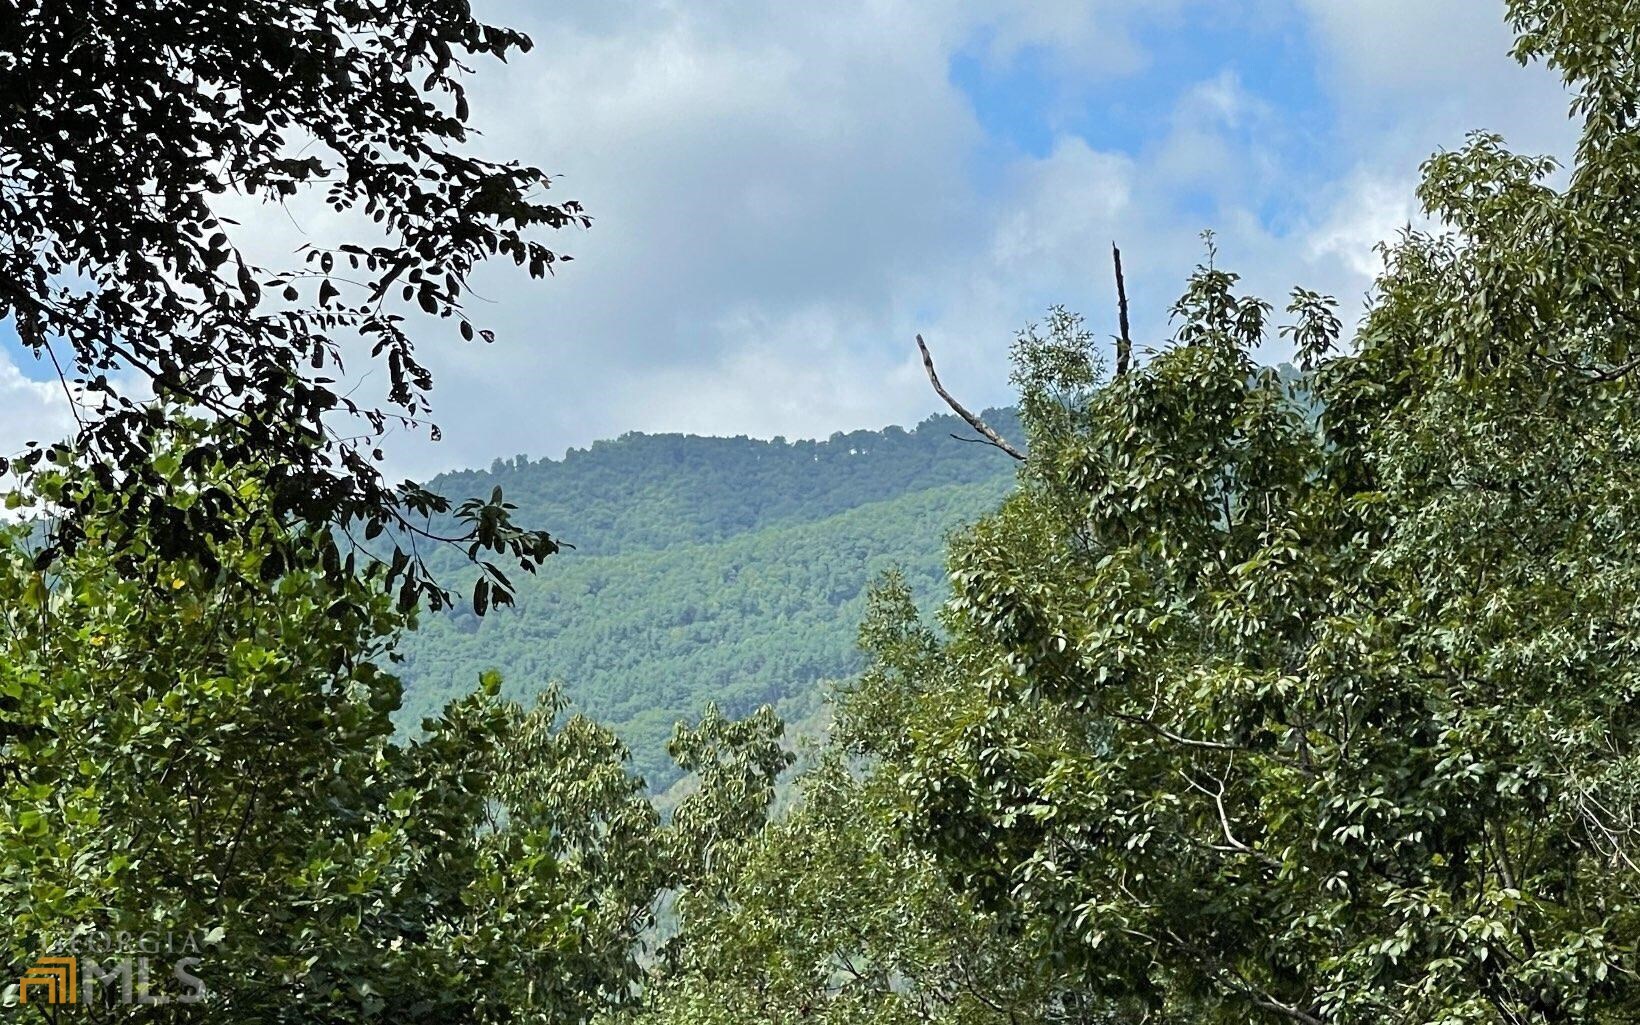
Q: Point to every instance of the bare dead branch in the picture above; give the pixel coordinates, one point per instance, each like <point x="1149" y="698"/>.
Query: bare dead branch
<point x="991" y="436"/>
<point x="1124" y="342"/>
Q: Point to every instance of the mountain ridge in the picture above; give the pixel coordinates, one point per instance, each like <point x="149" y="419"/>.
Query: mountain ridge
<point x="705" y="569"/>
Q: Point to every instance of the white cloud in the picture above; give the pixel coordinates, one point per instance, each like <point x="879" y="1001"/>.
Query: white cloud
<point x="781" y="201"/>
<point x="1058" y="205"/>
<point x="784" y="194"/>
<point x="1370" y="211"/>
<point x="1410" y="45"/>
<point x="1420" y="73"/>
<point x="30" y="410"/>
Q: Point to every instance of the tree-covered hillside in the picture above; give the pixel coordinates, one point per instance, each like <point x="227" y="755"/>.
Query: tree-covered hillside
<point x="649" y="491"/>
<point x="705" y="569"/>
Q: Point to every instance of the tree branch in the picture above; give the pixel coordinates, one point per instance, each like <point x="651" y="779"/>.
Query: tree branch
<point x="1124" y="343"/>
<point x="1224" y="823"/>
<point x="1284" y="1009"/>
<point x="991" y="436"/>
<point x="1599" y="375"/>
<point x="68" y="393"/>
<point x="1177" y="738"/>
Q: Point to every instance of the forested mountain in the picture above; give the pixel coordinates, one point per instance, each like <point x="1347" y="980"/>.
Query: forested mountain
<point x="705" y="569"/>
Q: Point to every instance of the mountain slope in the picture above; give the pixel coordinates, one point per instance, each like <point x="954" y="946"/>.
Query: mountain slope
<point x="706" y="569"/>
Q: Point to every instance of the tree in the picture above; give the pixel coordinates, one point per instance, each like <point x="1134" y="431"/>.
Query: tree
<point x="122" y="132"/>
<point x="1311" y="700"/>
<point x="826" y="915"/>
<point x="828" y="911"/>
<point x="206" y="755"/>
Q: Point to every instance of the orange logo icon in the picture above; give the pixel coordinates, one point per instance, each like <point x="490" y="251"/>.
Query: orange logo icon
<point x="57" y="974"/>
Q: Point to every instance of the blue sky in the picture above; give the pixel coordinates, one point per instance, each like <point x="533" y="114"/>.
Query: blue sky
<point x="785" y="194"/>
<point x="1027" y="100"/>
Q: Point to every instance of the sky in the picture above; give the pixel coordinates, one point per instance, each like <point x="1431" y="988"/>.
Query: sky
<point x="784" y="195"/>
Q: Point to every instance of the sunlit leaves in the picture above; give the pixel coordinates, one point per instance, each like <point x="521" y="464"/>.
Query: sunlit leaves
<point x="202" y="747"/>
<point x="1308" y="697"/>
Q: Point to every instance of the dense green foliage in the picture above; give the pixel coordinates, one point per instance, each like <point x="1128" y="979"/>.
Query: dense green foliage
<point x="826" y="916"/>
<point x="204" y="753"/>
<point x="713" y="569"/>
<point x="1242" y="713"/>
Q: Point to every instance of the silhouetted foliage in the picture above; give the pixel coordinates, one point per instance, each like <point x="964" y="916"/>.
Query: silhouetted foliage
<point x="125" y="128"/>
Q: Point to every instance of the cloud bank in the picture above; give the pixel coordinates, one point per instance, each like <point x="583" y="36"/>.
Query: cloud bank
<point x="784" y="194"/>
